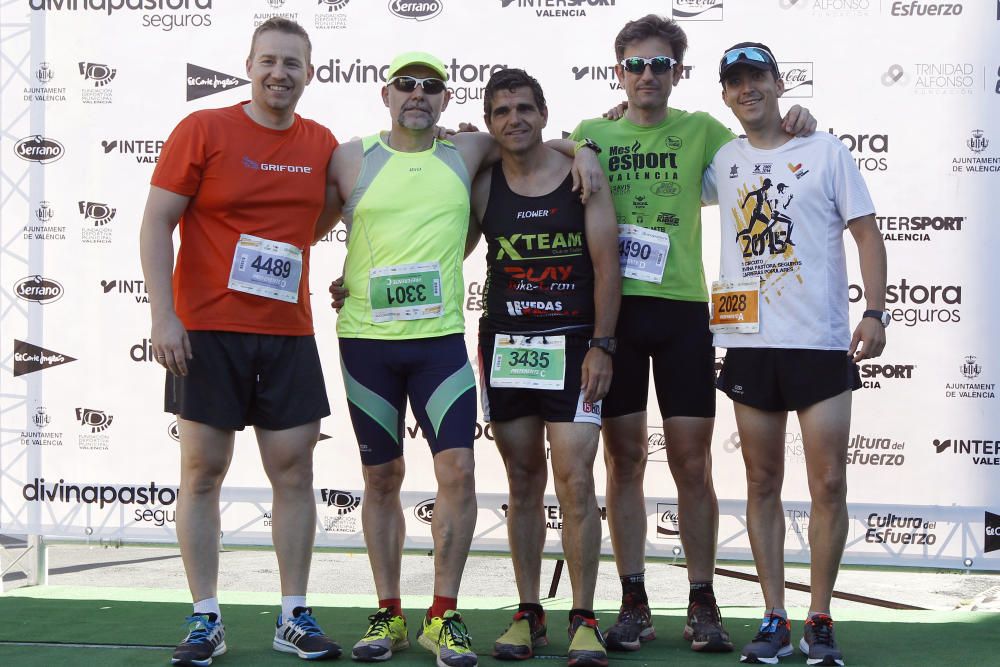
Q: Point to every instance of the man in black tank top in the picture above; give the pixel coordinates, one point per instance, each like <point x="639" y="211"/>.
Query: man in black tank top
<point x="545" y="352"/>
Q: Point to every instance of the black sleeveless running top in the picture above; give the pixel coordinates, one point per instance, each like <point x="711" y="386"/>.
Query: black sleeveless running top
<point x="539" y="275"/>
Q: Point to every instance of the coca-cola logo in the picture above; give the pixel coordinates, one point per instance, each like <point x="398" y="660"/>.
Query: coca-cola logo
<point x="38" y="289"/>
<point x="798" y="78"/>
<point x="39" y="149"/>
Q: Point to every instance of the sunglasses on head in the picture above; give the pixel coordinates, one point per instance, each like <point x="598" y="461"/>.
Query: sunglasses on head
<point x="746" y="53"/>
<point x="659" y="64"/>
<point x="406" y="84"/>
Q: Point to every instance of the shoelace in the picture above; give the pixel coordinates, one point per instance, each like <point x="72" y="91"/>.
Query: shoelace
<point x="379" y="623"/>
<point x="457" y="631"/>
<point x="822" y="630"/>
<point x="306" y="624"/>
<point x="590" y="623"/>
<point x="199" y="627"/>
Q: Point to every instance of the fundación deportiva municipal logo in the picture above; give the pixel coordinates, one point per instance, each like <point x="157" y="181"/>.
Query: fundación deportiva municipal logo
<point x="342" y="501"/>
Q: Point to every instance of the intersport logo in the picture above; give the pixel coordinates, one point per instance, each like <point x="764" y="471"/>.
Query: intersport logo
<point x="202" y="82"/>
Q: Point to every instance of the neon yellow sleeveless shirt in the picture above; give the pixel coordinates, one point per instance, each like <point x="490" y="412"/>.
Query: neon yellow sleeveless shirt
<point x="407" y="220"/>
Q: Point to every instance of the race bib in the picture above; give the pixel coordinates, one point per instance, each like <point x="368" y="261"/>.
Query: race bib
<point x="642" y="253"/>
<point x="405" y="292"/>
<point x="735" y="306"/>
<point x="528" y="362"/>
<point x="270" y="269"/>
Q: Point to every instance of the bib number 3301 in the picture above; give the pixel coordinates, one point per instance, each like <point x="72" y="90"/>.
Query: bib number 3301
<point x="270" y="269"/>
<point x="405" y="292"/>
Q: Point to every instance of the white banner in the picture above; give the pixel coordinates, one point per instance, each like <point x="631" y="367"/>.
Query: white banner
<point x="92" y="88"/>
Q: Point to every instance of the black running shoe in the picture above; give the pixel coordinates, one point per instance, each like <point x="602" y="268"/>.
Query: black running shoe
<point x="634" y="626"/>
<point x="818" y="643"/>
<point x="772" y="641"/>
<point x="704" y="629"/>
<point x="302" y="636"/>
<point x="206" y="639"/>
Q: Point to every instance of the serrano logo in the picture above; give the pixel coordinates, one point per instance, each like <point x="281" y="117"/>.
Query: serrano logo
<point x="415" y="11"/>
<point x="424" y="511"/>
<point x="39" y="149"/>
<point x="38" y="289"/>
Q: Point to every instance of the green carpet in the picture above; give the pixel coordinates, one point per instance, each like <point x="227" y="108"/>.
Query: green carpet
<point x="149" y="618"/>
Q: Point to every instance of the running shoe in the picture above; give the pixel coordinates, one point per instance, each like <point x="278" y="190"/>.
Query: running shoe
<point x="818" y="643"/>
<point x="772" y="641"/>
<point x="634" y="626"/>
<point x="448" y="638"/>
<point x="206" y="639"/>
<point x="586" y="645"/>
<point x="524" y="634"/>
<point x="302" y="636"/>
<point x="386" y="633"/>
<point x="704" y="629"/>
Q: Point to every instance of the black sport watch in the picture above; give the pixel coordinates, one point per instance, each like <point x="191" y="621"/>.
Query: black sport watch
<point x="608" y="344"/>
<point x="882" y="316"/>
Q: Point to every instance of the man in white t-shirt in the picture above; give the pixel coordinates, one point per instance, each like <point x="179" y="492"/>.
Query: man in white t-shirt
<point x="781" y="310"/>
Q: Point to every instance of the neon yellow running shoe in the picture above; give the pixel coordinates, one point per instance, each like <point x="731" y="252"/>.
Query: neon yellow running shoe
<point x="448" y="638"/>
<point x="586" y="646"/>
<point x="524" y="634"/>
<point x="387" y="633"/>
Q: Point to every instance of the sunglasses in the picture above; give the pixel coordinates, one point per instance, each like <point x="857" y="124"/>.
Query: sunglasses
<point x="406" y="84"/>
<point x="659" y="64"/>
<point x="746" y="53"/>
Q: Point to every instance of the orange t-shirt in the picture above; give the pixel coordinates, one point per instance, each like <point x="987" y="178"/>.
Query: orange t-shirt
<point x="242" y="178"/>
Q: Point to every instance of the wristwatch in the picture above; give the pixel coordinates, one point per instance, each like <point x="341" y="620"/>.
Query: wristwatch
<point x="880" y="315"/>
<point x="587" y="143"/>
<point x="608" y="344"/>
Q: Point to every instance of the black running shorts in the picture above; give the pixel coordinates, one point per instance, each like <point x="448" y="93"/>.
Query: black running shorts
<point x="675" y="336"/>
<point x="778" y="379"/>
<point x="240" y="379"/>
<point x="502" y="404"/>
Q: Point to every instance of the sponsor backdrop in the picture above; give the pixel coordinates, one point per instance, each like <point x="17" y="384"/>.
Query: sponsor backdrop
<point x="92" y="88"/>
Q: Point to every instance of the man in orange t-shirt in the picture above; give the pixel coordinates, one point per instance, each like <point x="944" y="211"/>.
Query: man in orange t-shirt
<point x="234" y="330"/>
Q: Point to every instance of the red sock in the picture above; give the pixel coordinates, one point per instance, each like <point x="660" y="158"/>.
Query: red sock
<point x="392" y="604"/>
<point x="441" y="605"/>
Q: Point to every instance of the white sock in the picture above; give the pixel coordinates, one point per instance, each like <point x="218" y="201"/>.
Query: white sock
<point x="777" y="612"/>
<point x="289" y="603"/>
<point x="208" y="606"/>
<point x="813" y="613"/>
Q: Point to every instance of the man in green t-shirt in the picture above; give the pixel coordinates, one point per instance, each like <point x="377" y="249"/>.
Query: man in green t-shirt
<point x="654" y="158"/>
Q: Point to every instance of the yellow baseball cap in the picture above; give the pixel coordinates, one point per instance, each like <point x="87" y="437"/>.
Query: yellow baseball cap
<point x="417" y="58"/>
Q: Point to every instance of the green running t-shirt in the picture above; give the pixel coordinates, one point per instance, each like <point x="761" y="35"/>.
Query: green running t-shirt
<point x="407" y="220"/>
<point x="655" y="178"/>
